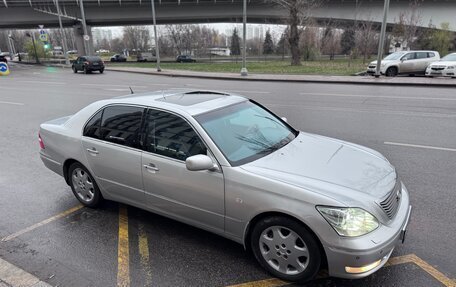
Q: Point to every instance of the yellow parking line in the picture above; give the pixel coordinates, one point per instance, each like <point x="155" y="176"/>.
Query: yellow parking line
<point x="44" y="222"/>
<point x="410" y="258"/>
<point x="123" y="253"/>
<point x="432" y="271"/>
<point x="272" y="282"/>
<point x="143" y="245"/>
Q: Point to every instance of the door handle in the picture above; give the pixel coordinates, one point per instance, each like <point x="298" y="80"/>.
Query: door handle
<point x="151" y="167"/>
<point x="92" y="151"/>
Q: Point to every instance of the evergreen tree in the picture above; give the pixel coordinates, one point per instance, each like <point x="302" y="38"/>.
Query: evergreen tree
<point x="347" y="41"/>
<point x="268" y="45"/>
<point x="235" y="43"/>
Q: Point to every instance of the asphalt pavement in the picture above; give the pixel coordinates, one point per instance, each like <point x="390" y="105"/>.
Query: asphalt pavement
<point x="47" y="234"/>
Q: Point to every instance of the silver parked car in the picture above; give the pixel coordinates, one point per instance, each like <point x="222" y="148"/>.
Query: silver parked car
<point x="405" y="62"/>
<point x="446" y="67"/>
<point x="226" y="164"/>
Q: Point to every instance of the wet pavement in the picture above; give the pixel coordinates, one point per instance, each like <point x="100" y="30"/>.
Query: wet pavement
<point x="80" y="248"/>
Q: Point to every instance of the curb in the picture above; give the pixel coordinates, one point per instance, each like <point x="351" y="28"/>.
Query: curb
<point x="272" y="79"/>
<point x="14" y="276"/>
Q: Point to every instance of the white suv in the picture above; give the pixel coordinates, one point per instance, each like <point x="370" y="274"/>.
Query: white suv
<point x="405" y="62"/>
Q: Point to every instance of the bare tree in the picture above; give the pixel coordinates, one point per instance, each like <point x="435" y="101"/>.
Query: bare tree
<point x="365" y="37"/>
<point x="299" y="12"/>
<point x="330" y="40"/>
<point x="137" y="37"/>
<point x="406" y="29"/>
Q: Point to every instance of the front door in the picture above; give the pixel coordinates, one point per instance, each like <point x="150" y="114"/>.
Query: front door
<point x="195" y="197"/>
<point x="111" y="146"/>
<point x="408" y="63"/>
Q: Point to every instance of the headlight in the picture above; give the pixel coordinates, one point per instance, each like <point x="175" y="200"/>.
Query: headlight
<point x="349" y="221"/>
<point x="450" y="67"/>
<point x="382" y="64"/>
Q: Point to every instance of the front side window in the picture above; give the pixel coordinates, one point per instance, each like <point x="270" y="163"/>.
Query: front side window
<point x="245" y="132"/>
<point x="409" y="56"/>
<point x="121" y="125"/>
<point x="169" y="135"/>
<point x="394" y="56"/>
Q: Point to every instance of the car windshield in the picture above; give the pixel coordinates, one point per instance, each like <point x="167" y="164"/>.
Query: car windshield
<point x="394" y="56"/>
<point x="450" y="57"/>
<point x="245" y="132"/>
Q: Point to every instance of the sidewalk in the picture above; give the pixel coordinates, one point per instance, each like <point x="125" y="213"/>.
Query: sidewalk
<point x="362" y="80"/>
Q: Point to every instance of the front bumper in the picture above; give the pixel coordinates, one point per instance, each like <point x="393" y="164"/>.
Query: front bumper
<point x="375" y="247"/>
<point x="441" y="73"/>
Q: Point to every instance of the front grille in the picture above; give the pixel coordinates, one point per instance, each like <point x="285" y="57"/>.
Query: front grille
<point x="372" y="66"/>
<point x="437" y="68"/>
<point x="391" y="202"/>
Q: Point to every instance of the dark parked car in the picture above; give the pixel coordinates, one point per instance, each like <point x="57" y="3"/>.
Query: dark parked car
<point x="3" y="59"/>
<point x="118" y="58"/>
<point x="185" y="59"/>
<point x="88" y="64"/>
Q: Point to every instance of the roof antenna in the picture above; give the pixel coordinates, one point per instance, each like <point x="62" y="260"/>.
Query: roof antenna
<point x="163" y="95"/>
<point x="131" y="91"/>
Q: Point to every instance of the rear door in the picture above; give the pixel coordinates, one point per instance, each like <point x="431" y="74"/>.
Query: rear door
<point x="422" y="61"/>
<point x="111" y="144"/>
<point x="195" y="197"/>
<point x="407" y="63"/>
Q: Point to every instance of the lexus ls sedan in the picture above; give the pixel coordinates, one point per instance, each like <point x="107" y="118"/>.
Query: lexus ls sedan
<point x="226" y="164"/>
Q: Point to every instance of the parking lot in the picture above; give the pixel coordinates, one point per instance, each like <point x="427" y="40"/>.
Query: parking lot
<point x="45" y="231"/>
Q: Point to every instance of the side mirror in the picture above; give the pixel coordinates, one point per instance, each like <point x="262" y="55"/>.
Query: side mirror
<point x="284" y="119"/>
<point x="199" y="162"/>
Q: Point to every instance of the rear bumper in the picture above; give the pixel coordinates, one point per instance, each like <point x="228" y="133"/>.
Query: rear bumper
<point x="95" y="68"/>
<point x="51" y="164"/>
<point x="374" y="249"/>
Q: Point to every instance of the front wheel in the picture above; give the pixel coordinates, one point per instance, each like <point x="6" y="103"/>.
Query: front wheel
<point x="101" y="71"/>
<point x="286" y="248"/>
<point x="75" y="70"/>
<point x="391" y="72"/>
<point x="84" y="186"/>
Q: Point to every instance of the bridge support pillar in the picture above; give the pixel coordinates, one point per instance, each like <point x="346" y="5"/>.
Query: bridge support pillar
<point x="84" y="47"/>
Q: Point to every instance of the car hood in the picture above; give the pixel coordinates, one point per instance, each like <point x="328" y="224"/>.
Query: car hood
<point x="342" y="170"/>
<point x="443" y="63"/>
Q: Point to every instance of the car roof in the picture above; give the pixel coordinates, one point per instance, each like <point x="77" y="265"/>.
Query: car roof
<point x="183" y="101"/>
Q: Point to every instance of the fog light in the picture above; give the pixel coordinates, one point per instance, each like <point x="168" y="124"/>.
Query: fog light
<point x="362" y="269"/>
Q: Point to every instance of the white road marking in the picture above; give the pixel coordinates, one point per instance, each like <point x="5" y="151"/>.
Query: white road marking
<point x="251" y="92"/>
<point x="124" y="86"/>
<point x="42" y="82"/>
<point x="11" y="103"/>
<point x="382" y="97"/>
<point x="370" y="111"/>
<point x="421" y="146"/>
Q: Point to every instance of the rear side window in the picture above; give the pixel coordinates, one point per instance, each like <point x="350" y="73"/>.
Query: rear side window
<point x="421" y="55"/>
<point x="121" y="125"/>
<point x="169" y="135"/>
<point x="92" y="129"/>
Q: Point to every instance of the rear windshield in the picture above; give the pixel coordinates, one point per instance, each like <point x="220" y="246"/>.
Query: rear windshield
<point x="93" y="58"/>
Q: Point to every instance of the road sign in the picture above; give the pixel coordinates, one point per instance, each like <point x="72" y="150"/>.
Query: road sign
<point x="41" y="26"/>
<point x="86" y="37"/>
<point x="4" y="70"/>
<point x="44" y="37"/>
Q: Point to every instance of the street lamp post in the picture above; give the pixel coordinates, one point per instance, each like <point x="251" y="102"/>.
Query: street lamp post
<point x="381" y="43"/>
<point x="244" y="71"/>
<point x="62" y="34"/>
<point x="84" y="27"/>
<point x="157" y="50"/>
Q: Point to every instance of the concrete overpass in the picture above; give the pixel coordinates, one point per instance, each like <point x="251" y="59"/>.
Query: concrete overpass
<point x="15" y="14"/>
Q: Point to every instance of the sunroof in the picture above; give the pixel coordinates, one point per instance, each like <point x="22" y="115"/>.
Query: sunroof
<point x="192" y="98"/>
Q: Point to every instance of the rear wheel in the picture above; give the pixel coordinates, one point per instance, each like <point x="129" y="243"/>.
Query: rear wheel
<point x="391" y="72"/>
<point x="83" y="185"/>
<point x="286" y="248"/>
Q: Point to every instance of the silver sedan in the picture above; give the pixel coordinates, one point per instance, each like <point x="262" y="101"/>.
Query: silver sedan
<point x="226" y="164"/>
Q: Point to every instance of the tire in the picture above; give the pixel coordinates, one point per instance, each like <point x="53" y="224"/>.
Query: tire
<point x="84" y="186"/>
<point x="270" y="243"/>
<point x="101" y="71"/>
<point x="86" y="71"/>
<point x="391" y="72"/>
<point x="75" y="70"/>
